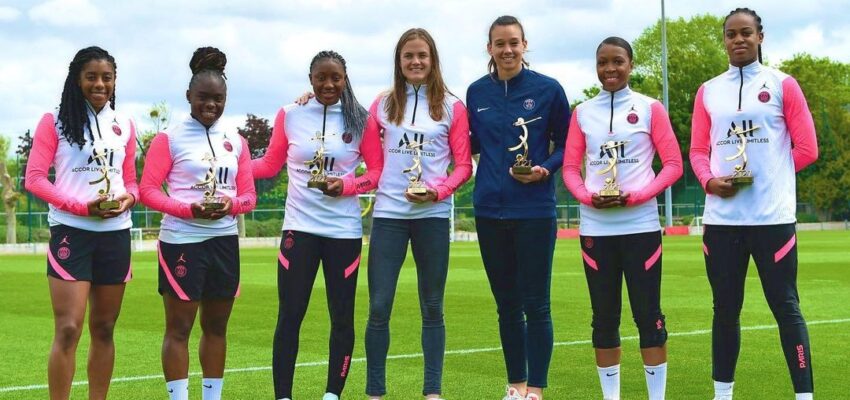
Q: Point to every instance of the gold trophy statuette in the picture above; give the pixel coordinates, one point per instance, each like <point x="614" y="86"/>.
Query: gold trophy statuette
<point x="522" y="166"/>
<point x="611" y="187"/>
<point x="109" y="203"/>
<point x="211" y="201"/>
<point x="416" y="185"/>
<point x="318" y="179"/>
<point x="742" y="176"/>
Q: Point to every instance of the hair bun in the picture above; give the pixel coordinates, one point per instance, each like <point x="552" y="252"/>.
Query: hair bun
<point x="208" y="58"/>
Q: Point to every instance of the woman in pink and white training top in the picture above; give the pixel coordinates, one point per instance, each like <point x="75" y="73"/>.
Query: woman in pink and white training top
<point x="766" y="108"/>
<point x="423" y="125"/>
<point x="619" y="131"/>
<point x="198" y="243"/>
<point x="320" y="224"/>
<point x="88" y="259"/>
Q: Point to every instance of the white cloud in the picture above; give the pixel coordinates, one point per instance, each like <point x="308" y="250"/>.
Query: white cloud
<point x="67" y="13"/>
<point x="8" y="14"/>
<point x="269" y="43"/>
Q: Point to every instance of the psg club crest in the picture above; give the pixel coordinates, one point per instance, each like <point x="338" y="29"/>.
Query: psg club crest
<point x="528" y="104"/>
<point x="289" y="241"/>
<point x="764" y="96"/>
<point x="632" y="118"/>
<point x="588" y="242"/>
<point x="180" y="271"/>
<point x="64" y="253"/>
<point x="228" y="146"/>
<point x="116" y="129"/>
<point x="346" y="137"/>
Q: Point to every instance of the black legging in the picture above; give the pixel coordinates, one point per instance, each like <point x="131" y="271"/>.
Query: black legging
<point x="727" y="254"/>
<point x="298" y="263"/>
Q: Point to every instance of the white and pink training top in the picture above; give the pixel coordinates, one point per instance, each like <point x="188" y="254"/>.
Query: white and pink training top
<point x="294" y="141"/>
<point x="445" y="141"/>
<point x="642" y="124"/>
<point x="180" y="157"/>
<point x="67" y="196"/>
<point x="781" y="142"/>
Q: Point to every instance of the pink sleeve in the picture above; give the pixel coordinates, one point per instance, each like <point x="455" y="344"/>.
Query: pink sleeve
<point x="700" y="153"/>
<point x="157" y="167"/>
<point x="270" y="163"/>
<point x="798" y="118"/>
<point x="573" y="160"/>
<point x="44" y="145"/>
<point x="459" y="144"/>
<point x="129" y="167"/>
<point x="246" y="195"/>
<point x="667" y="146"/>
<point x="373" y="155"/>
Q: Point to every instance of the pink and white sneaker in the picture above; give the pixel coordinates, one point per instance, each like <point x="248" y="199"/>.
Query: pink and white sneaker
<point x="512" y="393"/>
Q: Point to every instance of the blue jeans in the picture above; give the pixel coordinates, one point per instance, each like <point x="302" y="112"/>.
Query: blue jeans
<point x="517" y="255"/>
<point x="429" y="240"/>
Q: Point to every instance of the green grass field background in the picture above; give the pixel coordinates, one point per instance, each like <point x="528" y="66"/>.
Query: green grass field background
<point x="474" y="367"/>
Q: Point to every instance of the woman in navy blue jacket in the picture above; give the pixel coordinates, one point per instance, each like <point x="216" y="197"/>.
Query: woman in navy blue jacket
<point x="515" y="211"/>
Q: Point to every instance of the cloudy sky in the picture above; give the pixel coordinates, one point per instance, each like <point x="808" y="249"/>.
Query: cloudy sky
<point x="269" y="43"/>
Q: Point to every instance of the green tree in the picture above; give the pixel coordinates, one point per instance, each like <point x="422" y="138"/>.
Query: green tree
<point x="9" y="194"/>
<point x="695" y="54"/>
<point x="826" y="84"/>
<point x="257" y="132"/>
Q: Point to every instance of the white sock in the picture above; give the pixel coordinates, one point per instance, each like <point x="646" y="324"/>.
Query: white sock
<point x="212" y="388"/>
<point x="804" y="396"/>
<point x="723" y="390"/>
<point x="609" y="378"/>
<point x="178" y="389"/>
<point x="330" y="396"/>
<point x="656" y="380"/>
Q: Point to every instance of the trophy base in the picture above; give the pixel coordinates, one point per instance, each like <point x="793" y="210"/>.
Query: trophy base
<point x="213" y="206"/>
<point x="109" y="205"/>
<point x="521" y="170"/>
<point x="321" y="185"/>
<point x="741" y="180"/>
<point x="610" y="193"/>
<point x="417" y="190"/>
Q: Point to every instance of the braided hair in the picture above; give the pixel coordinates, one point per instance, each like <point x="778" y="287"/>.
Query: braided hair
<point x="353" y="114"/>
<point x="207" y="61"/>
<point x="73" y="113"/>
<point x="752" y="13"/>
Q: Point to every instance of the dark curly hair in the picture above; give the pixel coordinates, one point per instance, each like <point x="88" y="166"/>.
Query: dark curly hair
<point x="73" y="113"/>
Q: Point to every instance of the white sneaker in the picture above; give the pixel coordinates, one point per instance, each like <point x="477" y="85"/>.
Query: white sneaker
<point x="532" y="396"/>
<point x="330" y="396"/>
<point x="723" y="398"/>
<point x="511" y="393"/>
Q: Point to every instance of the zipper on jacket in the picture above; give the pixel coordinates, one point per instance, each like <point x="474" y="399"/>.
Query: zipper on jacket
<point x="96" y="121"/>
<point x="209" y="141"/>
<point x="506" y="88"/>
<point x="415" y="102"/>
<point x="324" y="121"/>
<point x="611" y="120"/>
<point x="740" y="88"/>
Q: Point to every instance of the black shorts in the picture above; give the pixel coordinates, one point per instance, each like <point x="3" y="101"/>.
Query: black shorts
<point x="203" y="270"/>
<point x="102" y="258"/>
<point x="637" y="258"/>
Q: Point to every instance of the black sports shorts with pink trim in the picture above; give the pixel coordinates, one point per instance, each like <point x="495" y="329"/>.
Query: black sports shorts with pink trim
<point x="607" y="259"/>
<point x="198" y="271"/>
<point x="103" y="258"/>
<point x="727" y="251"/>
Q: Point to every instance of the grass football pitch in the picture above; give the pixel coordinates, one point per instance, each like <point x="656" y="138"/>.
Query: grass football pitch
<point x="474" y="367"/>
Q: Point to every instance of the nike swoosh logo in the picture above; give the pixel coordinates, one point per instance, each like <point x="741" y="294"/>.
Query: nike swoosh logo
<point x="483" y="109"/>
<point x="607" y="374"/>
<point x="170" y="390"/>
<point x="650" y="372"/>
<point x="208" y="387"/>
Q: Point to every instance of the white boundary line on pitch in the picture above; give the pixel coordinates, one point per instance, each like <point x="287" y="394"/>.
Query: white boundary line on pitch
<point x="413" y="355"/>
